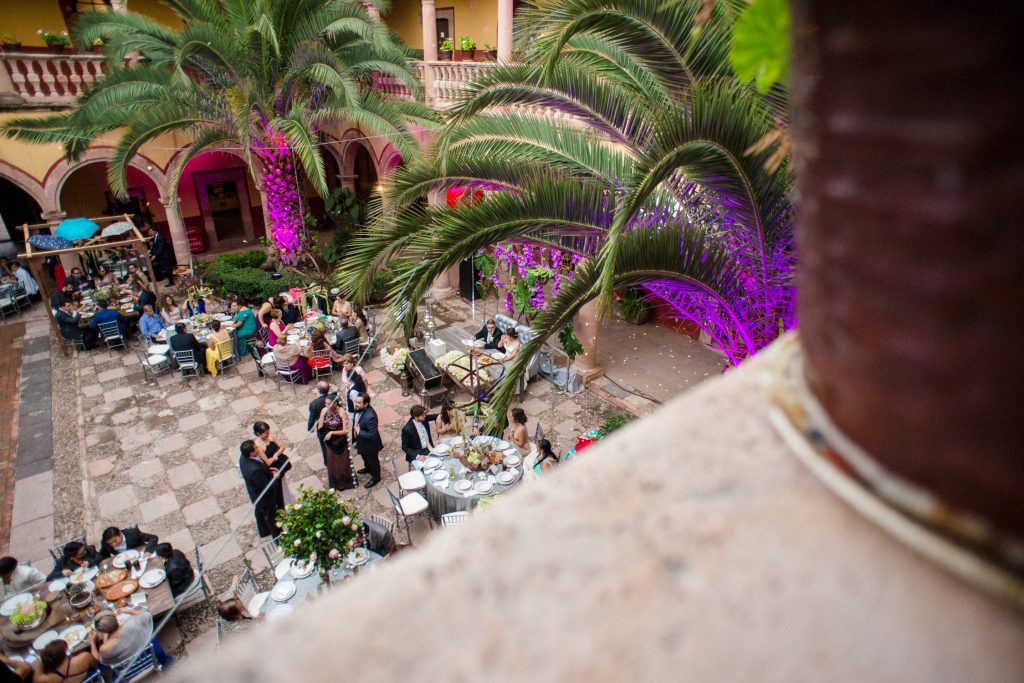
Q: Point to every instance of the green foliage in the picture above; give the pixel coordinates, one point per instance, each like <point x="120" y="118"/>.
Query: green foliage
<point x="466" y="43"/>
<point x="8" y="39"/>
<point x="318" y="528"/>
<point x="56" y="39"/>
<point x="571" y="344"/>
<point x="485" y="287"/>
<point x="633" y="305"/>
<point x="613" y="422"/>
<point x="343" y="209"/>
<point x="240" y="274"/>
<point x="383" y="278"/>
<point x="760" y="45"/>
<point x="446" y="45"/>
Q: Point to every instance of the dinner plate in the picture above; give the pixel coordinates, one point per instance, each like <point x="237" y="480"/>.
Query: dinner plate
<point x="303" y="571"/>
<point x="512" y="460"/>
<point x="13" y="604"/>
<point x="112" y="578"/>
<point x="152" y="578"/>
<point x="431" y="463"/>
<point x="358" y="556"/>
<point x="84" y="574"/>
<point x="121" y="558"/>
<point x="463" y="485"/>
<point x="73" y="635"/>
<point x="45" y="639"/>
<point x="58" y="585"/>
<point x="283" y="590"/>
<point x="279" y="612"/>
<point x="503" y="445"/>
<point x="442" y="449"/>
<point x="505" y="478"/>
<point x="457" y="441"/>
<point x="483" y="486"/>
<point x="282" y="569"/>
<point x="439" y="475"/>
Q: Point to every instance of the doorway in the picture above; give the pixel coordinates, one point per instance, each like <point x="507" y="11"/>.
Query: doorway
<point x="225" y="210"/>
<point x="224" y="203"/>
<point x="445" y="20"/>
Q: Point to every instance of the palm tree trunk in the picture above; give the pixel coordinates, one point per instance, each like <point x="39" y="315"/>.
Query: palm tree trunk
<point x="286" y="205"/>
<point x="907" y="132"/>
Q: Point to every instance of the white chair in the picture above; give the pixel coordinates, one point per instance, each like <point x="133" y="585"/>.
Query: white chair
<point x="152" y="364"/>
<point x="412" y="480"/>
<point x="187" y="364"/>
<point x="249" y="593"/>
<point x="273" y="553"/>
<point x="110" y="332"/>
<point x="383" y="521"/>
<point x="410" y="505"/>
<point x="453" y="519"/>
<point x="137" y="667"/>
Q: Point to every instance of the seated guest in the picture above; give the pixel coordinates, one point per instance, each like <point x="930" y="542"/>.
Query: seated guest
<point x="16" y="578"/>
<point x="150" y="324"/>
<point x="509" y="344"/>
<point x="292" y="356"/>
<point x="445" y="424"/>
<point x="318" y="342"/>
<point x="76" y="555"/>
<point x="180" y="574"/>
<point x="378" y="538"/>
<point x="106" y="314"/>
<point x="547" y="458"/>
<point x="358" y="321"/>
<point x="290" y="313"/>
<point x="171" y="312"/>
<point x="68" y="320"/>
<point x="341" y="307"/>
<point x="181" y="340"/>
<point x="134" y="276"/>
<point x="416" y="438"/>
<point x="22" y="275"/>
<point x="77" y="281"/>
<point x="115" y="641"/>
<point x="233" y="612"/>
<point x="56" y="666"/>
<point x="244" y="324"/>
<point x="517" y="433"/>
<point x="346" y="334"/>
<point x="5" y="267"/>
<point x="104" y="278"/>
<point x="276" y="329"/>
<point x="114" y="541"/>
<point x="489" y="334"/>
<point x="14" y="671"/>
<point x="213" y="353"/>
<point x="67" y="292"/>
<point x="145" y="297"/>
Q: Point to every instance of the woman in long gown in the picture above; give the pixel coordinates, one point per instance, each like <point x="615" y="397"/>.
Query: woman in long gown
<point x="517" y="433"/>
<point x="212" y="352"/>
<point x="273" y="454"/>
<point x="277" y="329"/>
<point x="339" y="463"/>
<point x="244" y="324"/>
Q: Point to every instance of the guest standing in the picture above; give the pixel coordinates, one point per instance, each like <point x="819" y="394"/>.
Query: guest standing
<point x="258" y="477"/>
<point x="316" y="408"/>
<point x="359" y="321"/>
<point x="273" y="454"/>
<point x="366" y="431"/>
<point x="353" y="383"/>
<point x="416" y="438"/>
<point x="339" y="463"/>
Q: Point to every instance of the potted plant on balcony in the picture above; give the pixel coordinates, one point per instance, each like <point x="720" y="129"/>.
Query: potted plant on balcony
<point x="488" y="54"/>
<point x="634" y="307"/>
<point x="10" y="43"/>
<point x="57" y="42"/>
<point x="98" y="45"/>
<point x="445" y="49"/>
<point x="467" y="47"/>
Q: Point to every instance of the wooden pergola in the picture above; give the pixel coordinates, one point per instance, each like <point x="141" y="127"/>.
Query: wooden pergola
<point x="132" y="239"/>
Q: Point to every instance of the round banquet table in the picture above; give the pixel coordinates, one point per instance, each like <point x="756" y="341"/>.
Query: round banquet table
<point x="443" y="497"/>
<point x="308" y="586"/>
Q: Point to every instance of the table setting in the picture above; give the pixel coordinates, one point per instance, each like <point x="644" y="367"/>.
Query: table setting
<point x="459" y="474"/>
<point x="298" y="581"/>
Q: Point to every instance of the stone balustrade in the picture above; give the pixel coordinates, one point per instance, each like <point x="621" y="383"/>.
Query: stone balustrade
<point x="48" y="78"/>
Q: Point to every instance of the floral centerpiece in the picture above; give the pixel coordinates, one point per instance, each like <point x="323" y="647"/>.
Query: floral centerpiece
<point x="103" y="294"/>
<point x="29" y="615"/>
<point x="394" y="361"/>
<point x="318" y="528"/>
<point x="201" y="319"/>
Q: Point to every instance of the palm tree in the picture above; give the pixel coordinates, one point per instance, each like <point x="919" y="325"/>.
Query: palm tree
<point x="263" y="76"/>
<point x="658" y="174"/>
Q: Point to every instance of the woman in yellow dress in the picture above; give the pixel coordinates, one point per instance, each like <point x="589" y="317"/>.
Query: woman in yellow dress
<point x="212" y="356"/>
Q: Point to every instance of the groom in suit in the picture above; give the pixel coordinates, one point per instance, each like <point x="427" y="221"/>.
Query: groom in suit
<point x="316" y="406"/>
<point x="367" y="439"/>
<point x="416" y="438"/>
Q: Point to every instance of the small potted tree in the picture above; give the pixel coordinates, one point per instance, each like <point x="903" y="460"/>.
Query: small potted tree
<point x="10" y="43"/>
<point x="467" y="48"/>
<point x="97" y="46"/>
<point x="445" y="49"/>
<point x="634" y="307"/>
<point x="488" y="54"/>
<point x="57" y="42"/>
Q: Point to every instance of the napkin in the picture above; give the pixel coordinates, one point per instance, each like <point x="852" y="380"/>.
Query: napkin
<point x="514" y="470"/>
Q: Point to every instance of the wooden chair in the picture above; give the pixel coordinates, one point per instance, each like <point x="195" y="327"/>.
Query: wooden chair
<point x="453" y="519"/>
<point x="226" y="356"/>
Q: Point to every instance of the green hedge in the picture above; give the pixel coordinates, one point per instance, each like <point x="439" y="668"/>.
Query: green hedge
<point x="240" y="274"/>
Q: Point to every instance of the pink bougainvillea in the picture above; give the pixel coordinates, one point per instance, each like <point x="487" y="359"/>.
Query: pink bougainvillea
<point x="285" y="208"/>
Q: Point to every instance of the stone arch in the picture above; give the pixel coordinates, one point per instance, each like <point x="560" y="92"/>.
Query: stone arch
<point x="59" y="173"/>
<point x="32" y="187"/>
<point x="359" y="169"/>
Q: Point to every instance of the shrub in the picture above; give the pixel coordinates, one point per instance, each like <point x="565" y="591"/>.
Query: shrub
<point x="613" y="422"/>
<point x="240" y="274"/>
<point x="254" y="258"/>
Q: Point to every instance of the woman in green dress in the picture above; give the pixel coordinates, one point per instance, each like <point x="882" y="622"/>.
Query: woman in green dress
<point x="245" y="325"/>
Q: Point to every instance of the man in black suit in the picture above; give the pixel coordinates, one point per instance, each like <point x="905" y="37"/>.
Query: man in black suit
<point x="489" y="334"/>
<point x="257" y="477"/>
<point x="316" y="406"/>
<point x="416" y="438"/>
<point x="163" y="257"/>
<point x="346" y="334"/>
<point x="67" y="317"/>
<point x="367" y="437"/>
<point x="114" y="541"/>
<point x="181" y="340"/>
<point x="146" y="297"/>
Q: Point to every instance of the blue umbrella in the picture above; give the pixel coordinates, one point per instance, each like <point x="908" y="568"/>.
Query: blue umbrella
<point x="76" y="229"/>
<point x="49" y="242"/>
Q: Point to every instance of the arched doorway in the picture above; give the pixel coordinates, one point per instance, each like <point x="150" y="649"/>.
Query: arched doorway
<point x="17" y="207"/>
<point x="220" y="199"/>
<point x="85" y="193"/>
<point x="359" y="171"/>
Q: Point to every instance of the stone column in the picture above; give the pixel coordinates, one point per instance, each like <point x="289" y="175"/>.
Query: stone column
<point x="504" y="31"/>
<point x="179" y="238"/>
<point x="441" y="287"/>
<point x="586" y="327"/>
<point x="429" y="48"/>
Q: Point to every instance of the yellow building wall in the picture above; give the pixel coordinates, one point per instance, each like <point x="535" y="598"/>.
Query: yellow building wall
<point x="475" y="18"/>
<point x="155" y="10"/>
<point x="22" y="19"/>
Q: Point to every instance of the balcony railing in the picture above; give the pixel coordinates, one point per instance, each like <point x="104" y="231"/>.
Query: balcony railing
<point x="47" y="78"/>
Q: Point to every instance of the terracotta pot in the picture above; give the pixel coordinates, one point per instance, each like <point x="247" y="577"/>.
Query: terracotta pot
<point x="97" y="49"/>
<point x="12" y="47"/>
<point x="445" y="55"/>
<point x="464" y="55"/>
<point x="485" y="55"/>
<point x="56" y="49"/>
